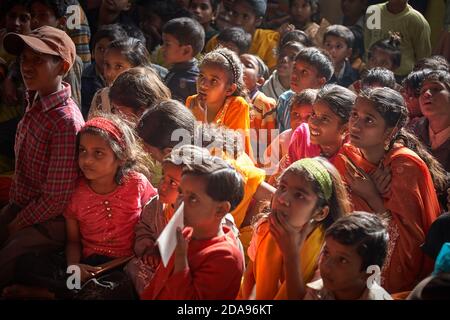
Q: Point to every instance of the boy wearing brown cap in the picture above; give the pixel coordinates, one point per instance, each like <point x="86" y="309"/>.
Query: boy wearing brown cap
<point x="46" y="167"/>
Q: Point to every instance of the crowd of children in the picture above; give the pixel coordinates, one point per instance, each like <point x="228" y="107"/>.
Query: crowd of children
<point x="305" y="153"/>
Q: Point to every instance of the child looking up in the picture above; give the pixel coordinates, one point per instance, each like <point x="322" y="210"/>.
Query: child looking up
<point x="309" y="198"/>
<point x="312" y="69"/>
<point x="221" y="94"/>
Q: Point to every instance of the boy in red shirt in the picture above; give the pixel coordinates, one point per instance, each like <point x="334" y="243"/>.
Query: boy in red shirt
<point x="207" y="263"/>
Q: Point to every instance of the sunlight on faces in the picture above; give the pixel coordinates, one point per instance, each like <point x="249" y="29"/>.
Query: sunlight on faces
<point x="295" y="199"/>
<point x="115" y="64"/>
<point x="304" y="76"/>
<point x="213" y="85"/>
<point x="200" y="211"/>
<point x="366" y="125"/>
<point x="300" y="113"/>
<point x="341" y="268"/>
<point x="325" y="126"/>
<point x="41" y="72"/>
<point x="434" y="99"/>
<point x="96" y="159"/>
<point x="168" y="187"/>
<point x="251" y="70"/>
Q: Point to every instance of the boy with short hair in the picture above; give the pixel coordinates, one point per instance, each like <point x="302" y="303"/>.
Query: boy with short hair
<point x="183" y="39"/>
<point x="207" y="263"/>
<point x="249" y="14"/>
<point x="354" y="251"/>
<point x="338" y="41"/>
<point x="46" y="166"/>
<point x="312" y="70"/>
<point x="235" y="39"/>
<point x="92" y="77"/>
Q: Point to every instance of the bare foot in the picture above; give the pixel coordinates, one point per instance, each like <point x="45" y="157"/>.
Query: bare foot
<point x="18" y="291"/>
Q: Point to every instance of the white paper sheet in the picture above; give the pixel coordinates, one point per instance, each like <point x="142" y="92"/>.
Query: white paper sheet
<point x="167" y="240"/>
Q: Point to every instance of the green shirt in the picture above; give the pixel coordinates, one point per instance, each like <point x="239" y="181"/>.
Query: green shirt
<point x="414" y="31"/>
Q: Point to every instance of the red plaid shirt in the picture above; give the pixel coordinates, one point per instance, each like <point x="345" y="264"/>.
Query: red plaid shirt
<point x="46" y="164"/>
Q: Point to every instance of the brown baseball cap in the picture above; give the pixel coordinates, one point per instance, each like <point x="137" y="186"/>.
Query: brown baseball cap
<point x="46" y="40"/>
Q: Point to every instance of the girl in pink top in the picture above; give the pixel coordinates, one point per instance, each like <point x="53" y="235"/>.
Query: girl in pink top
<point x="108" y="199"/>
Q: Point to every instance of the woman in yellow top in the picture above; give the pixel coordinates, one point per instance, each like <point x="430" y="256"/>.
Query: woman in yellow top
<point x="221" y="94"/>
<point x="309" y="198"/>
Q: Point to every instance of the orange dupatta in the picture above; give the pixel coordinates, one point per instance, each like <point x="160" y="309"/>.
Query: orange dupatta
<point x="268" y="267"/>
<point x="413" y="205"/>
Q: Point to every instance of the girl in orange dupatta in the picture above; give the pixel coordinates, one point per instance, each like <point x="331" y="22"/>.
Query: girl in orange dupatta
<point x="388" y="172"/>
<point x="310" y="197"/>
<point x="221" y="94"/>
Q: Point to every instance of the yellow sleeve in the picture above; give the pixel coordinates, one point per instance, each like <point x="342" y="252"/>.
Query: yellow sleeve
<point x="212" y="44"/>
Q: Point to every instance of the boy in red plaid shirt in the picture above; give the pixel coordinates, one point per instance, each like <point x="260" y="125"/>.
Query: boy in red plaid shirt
<point x="46" y="167"/>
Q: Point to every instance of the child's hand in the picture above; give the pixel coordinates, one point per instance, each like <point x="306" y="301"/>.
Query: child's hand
<point x="183" y="238"/>
<point x="152" y="260"/>
<point x="360" y="183"/>
<point x="289" y="239"/>
<point x="382" y="179"/>
<point x="87" y="272"/>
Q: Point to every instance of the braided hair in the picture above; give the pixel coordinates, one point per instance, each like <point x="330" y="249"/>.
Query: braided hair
<point x="229" y="62"/>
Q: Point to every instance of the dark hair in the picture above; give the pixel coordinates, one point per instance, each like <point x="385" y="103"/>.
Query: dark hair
<point x="358" y="44"/>
<point x="259" y="7"/>
<point x="435" y="62"/>
<point x="413" y="82"/>
<point x="223" y="182"/>
<point x="365" y="231"/>
<point x="318" y="59"/>
<point x="291" y="44"/>
<point x="134" y="32"/>
<point x="138" y="88"/>
<point x="438" y="76"/>
<point x="214" y="4"/>
<point x="133" y="50"/>
<point x="188" y="32"/>
<point x="338" y="204"/>
<point x="307" y="96"/>
<point x="7" y="5"/>
<point x="381" y="77"/>
<point x="391" y="46"/>
<point x="342" y="32"/>
<point x="132" y="156"/>
<point x="315" y="9"/>
<point x="158" y="123"/>
<point x="391" y="106"/>
<point x="237" y="36"/>
<point x="339" y="99"/>
<point x="228" y="61"/>
<point x="296" y="36"/>
<point x="112" y="32"/>
<point x="59" y="7"/>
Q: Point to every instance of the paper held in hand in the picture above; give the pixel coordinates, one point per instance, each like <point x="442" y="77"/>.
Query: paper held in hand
<point x="167" y="240"/>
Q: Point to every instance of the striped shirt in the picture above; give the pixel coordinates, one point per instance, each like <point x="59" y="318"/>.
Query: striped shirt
<point x="46" y="166"/>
